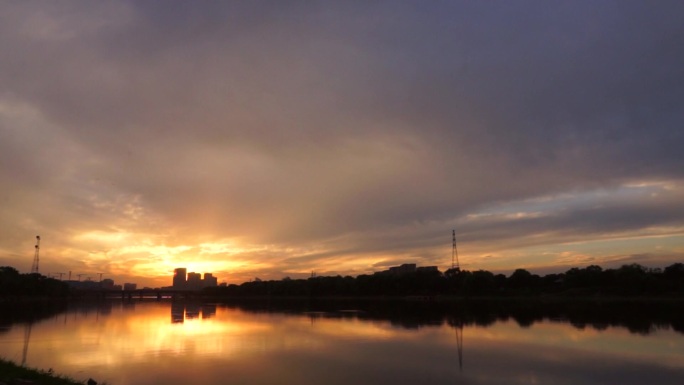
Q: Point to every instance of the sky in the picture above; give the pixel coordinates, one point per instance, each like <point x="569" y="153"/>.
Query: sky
<point x="274" y="139"/>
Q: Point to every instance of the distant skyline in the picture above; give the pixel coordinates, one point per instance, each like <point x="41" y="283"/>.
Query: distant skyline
<point x="273" y="139"/>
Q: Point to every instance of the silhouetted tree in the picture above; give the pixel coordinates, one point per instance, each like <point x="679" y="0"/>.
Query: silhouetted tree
<point x="479" y="282"/>
<point x="522" y="280"/>
<point x="627" y="280"/>
<point x="14" y="284"/>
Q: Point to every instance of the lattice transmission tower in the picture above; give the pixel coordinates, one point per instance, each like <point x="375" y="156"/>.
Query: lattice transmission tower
<point x="454" y="252"/>
<point x="36" y="259"/>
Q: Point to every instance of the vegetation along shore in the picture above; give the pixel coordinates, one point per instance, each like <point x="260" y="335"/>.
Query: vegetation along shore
<point x="12" y="374"/>
<point x="627" y="281"/>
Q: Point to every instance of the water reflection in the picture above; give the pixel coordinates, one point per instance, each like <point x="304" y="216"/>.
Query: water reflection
<point x="177" y="312"/>
<point x="27" y="339"/>
<point x="180" y="311"/>
<point x="341" y="343"/>
<point x="459" y="344"/>
<point x="639" y="317"/>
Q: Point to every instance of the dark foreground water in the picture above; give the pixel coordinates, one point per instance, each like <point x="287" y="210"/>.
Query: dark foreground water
<point x="149" y="342"/>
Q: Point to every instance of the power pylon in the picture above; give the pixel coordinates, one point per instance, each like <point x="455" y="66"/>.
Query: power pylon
<point x="454" y="252"/>
<point x="34" y="267"/>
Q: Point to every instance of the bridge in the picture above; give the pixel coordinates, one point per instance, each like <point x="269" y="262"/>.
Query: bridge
<point x="139" y="293"/>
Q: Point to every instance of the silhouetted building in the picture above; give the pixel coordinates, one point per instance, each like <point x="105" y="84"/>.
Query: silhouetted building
<point x="130" y="286"/>
<point x="179" y="278"/>
<point x="428" y="269"/>
<point x="194" y="281"/>
<point x="84" y="285"/>
<point x="408" y="268"/>
<point x="209" y="280"/>
<point x="107" y="284"/>
<point x="403" y="269"/>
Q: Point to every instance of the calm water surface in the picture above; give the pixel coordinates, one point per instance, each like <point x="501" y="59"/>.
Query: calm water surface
<point x="170" y="343"/>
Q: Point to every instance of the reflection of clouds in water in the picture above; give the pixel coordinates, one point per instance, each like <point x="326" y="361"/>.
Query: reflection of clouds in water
<point x="141" y="345"/>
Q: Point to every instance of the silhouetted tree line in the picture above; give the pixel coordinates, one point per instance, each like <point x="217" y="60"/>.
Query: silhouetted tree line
<point x="628" y="280"/>
<point x="14" y="284"/>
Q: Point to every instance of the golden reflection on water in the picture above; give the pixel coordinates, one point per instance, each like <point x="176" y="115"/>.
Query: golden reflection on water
<point x="138" y="334"/>
<point x="180" y="343"/>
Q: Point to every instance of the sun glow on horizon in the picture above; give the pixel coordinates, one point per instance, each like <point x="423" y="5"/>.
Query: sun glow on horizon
<point x="489" y="239"/>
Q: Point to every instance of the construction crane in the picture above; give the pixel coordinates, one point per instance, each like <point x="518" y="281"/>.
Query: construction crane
<point x="79" y="276"/>
<point x="34" y="267"/>
<point x="100" y="277"/>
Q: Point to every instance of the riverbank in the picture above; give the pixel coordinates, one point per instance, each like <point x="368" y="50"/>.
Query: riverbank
<point x="13" y="374"/>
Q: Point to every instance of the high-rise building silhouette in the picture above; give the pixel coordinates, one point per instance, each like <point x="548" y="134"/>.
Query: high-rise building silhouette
<point x="182" y="280"/>
<point x="194" y="281"/>
<point x="209" y="280"/>
<point x="179" y="280"/>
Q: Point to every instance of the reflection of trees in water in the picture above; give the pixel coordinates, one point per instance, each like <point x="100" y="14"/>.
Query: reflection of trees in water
<point x="640" y="317"/>
<point x="28" y="312"/>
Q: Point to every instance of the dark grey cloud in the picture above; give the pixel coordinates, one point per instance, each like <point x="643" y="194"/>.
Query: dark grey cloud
<point x="298" y="123"/>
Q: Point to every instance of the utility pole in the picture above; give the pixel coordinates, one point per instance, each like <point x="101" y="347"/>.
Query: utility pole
<point x="34" y="267"/>
<point x="79" y="276"/>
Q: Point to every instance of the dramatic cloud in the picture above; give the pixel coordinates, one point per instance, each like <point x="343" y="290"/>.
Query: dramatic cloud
<point x="257" y="139"/>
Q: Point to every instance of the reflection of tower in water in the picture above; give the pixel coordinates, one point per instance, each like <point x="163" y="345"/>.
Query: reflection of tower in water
<point x="457" y="324"/>
<point x="27" y="338"/>
<point x="459" y="342"/>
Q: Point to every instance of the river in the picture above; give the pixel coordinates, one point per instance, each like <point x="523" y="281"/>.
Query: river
<point x="146" y="342"/>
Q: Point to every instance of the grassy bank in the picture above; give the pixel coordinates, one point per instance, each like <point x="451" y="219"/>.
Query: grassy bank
<point x="10" y="373"/>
